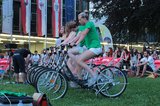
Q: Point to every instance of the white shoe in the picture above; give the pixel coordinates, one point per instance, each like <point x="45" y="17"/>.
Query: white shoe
<point x="73" y="84"/>
<point x="92" y="80"/>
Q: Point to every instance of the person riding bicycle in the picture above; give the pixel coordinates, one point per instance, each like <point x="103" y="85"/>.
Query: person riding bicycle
<point x="71" y="32"/>
<point x="90" y="39"/>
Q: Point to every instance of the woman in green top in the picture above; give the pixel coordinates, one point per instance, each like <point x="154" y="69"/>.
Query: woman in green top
<point x="90" y="39"/>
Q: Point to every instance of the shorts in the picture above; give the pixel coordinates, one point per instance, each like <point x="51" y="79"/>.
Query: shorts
<point x="18" y="63"/>
<point x="96" y="51"/>
<point x="148" y="68"/>
<point x="133" y="68"/>
<point x="81" y="49"/>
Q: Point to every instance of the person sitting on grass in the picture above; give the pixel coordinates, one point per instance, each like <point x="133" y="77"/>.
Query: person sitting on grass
<point x="146" y="63"/>
<point x="126" y="59"/>
<point x="134" y="59"/>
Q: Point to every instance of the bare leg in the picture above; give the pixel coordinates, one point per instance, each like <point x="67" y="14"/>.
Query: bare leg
<point x="71" y="66"/>
<point x="82" y="58"/>
<point x="138" y="69"/>
<point x="74" y="67"/>
<point x="78" y="69"/>
<point x="144" y="70"/>
<point x="16" y="77"/>
<point x="23" y="75"/>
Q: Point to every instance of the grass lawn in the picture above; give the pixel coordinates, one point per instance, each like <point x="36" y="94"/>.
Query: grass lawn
<point x="139" y="92"/>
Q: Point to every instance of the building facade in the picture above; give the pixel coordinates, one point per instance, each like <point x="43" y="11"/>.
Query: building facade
<point x="69" y="11"/>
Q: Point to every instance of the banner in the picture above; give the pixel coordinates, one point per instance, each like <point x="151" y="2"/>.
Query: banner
<point x="42" y="17"/>
<point x="7" y="16"/>
<point x="105" y="37"/>
<point x="56" y="17"/>
<point x="70" y="10"/>
<point x="26" y="15"/>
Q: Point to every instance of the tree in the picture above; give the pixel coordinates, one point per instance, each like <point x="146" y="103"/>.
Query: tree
<point x="129" y="19"/>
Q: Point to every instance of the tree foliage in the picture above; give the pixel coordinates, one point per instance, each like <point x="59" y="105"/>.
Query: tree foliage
<point x="130" y="20"/>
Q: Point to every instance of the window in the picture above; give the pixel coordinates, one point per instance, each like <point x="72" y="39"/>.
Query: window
<point x="63" y="14"/>
<point x="81" y="5"/>
<point x="49" y="3"/>
<point x="33" y="18"/>
<point x="49" y="21"/>
<point x="16" y="17"/>
<point x="84" y="5"/>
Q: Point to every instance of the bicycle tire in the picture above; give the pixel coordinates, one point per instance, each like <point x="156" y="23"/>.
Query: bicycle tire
<point x="52" y="92"/>
<point x="111" y="83"/>
<point x="28" y="73"/>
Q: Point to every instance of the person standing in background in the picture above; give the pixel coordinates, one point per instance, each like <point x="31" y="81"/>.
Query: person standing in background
<point x="19" y="63"/>
<point x="35" y="58"/>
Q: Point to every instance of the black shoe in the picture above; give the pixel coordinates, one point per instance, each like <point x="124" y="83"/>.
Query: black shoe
<point x="82" y="83"/>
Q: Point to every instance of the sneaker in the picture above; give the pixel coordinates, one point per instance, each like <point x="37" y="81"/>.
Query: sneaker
<point x="82" y="82"/>
<point x="73" y="84"/>
<point x="92" y="80"/>
<point x="150" y="76"/>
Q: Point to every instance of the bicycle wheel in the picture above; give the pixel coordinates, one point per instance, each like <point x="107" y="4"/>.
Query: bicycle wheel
<point x="34" y="73"/>
<point x="112" y="82"/>
<point x="53" y="84"/>
<point x="29" y="73"/>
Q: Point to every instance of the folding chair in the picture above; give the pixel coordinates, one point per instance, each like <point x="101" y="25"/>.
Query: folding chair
<point x="4" y="67"/>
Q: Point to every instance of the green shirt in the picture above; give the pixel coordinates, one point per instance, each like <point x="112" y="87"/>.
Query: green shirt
<point x="91" y="39"/>
<point x="81" y="28"/>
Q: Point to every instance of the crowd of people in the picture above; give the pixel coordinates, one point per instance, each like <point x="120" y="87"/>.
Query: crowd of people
<point x="132" y="59"/>
<point x="135" y="60"/>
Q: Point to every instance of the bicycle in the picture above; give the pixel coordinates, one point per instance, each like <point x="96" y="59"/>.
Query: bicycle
<point x="108" y="78"/>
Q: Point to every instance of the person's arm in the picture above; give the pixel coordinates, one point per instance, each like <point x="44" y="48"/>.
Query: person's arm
<point x="39" y="58"/>
<point x="31" y="59"/>
<point x="115" y="54"/>
<point x="75" y="38"/>
<point x="138" y="58"/>
<point x="122" y="55"/>
<point x="126" y="57"/>
<point x="27" y="60"/>
<point x="82" y="36"/>
<point x="63" y="37"/>
<point x="142" y="63"/>
<point x="131" y="60"/>
<point x="70" y="37"/>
